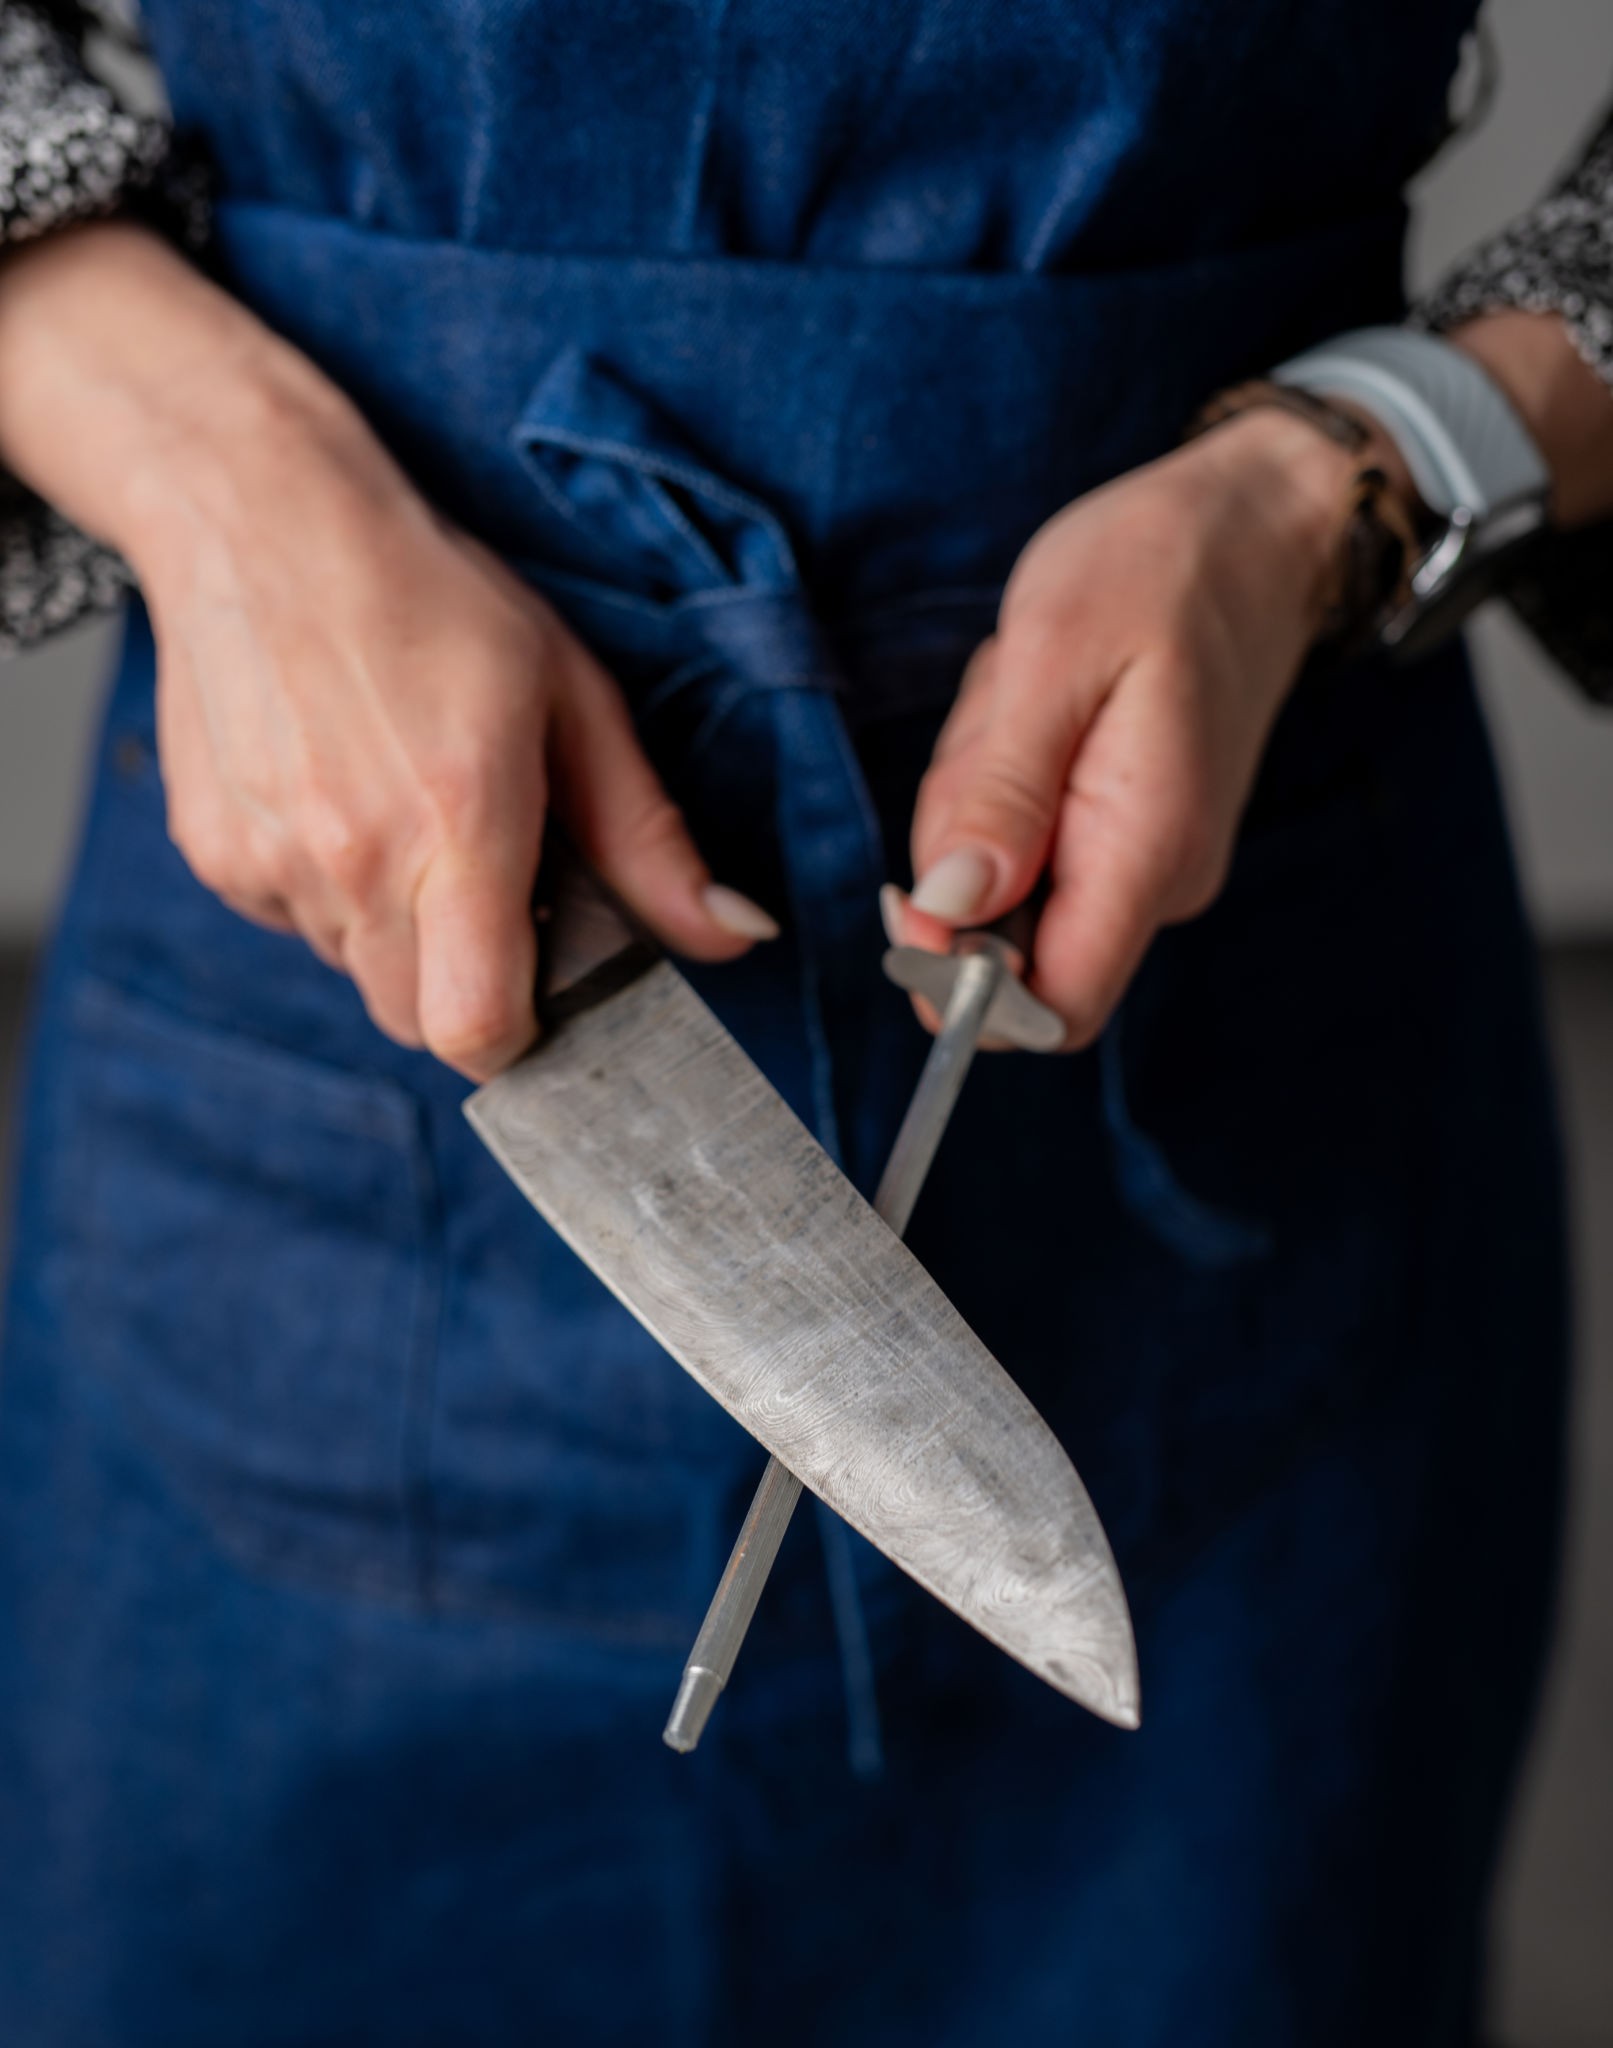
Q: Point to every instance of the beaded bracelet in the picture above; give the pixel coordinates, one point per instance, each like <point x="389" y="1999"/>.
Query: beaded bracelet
<point x="1380" y="542"/>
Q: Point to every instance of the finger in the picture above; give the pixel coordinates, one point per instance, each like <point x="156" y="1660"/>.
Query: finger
<point x="1127" y="822"/>
<point x="624" y="821"/>
<point x="213" y="841"/>
<point x="984" y="822"/>
<point x="197" y="817"/>
<point x="1094" y="929"/>
<point x="906" y="926"/>
<point x="477" y="955"/>
<point x="382" y="956"/>
<point x="898" y="916"/>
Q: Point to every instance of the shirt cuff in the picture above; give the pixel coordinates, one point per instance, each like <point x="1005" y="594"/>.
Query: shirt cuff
<point x="69" y="152"/>
<point x="1556" y="258"/>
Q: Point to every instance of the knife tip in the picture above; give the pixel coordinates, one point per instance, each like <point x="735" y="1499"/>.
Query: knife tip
<point x="1128" y="1700"/>
<point x="1102" y="1674"/>
<point x="1116" y="1698"/>
<point x="1112" y="1696"/>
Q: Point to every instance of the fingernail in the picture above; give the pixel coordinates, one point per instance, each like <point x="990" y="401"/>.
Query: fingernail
<point x="737" y="914"/>
<point x="891" y="905"/>
<point x="956" y="886"/>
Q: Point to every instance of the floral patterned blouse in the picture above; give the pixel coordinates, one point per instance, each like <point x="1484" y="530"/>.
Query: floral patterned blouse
<point x="70" y="151"/>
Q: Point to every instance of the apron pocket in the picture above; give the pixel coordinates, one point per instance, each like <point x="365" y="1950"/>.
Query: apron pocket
<point x="246" y="1259"/>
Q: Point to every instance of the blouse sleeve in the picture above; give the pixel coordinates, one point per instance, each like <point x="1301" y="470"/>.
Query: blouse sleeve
<point x="1556" y="258"/>
<point x="69" y="152"/>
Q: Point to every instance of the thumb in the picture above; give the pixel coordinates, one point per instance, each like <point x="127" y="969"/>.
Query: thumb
<point x="987" y="809"/>
<point x="623" y="820"/>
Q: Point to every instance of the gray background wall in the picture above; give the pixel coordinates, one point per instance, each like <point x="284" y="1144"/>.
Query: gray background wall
<point x="1557" y="58"/>
<point x="1556" y="71"/>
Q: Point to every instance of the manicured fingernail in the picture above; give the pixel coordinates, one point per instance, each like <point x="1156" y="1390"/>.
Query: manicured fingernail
<point x="891" y="905"/>
<point x="956" y="886"/>
<point x="737" y="914"/>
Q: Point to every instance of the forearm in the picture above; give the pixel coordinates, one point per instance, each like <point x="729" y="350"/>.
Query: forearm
<point x="129" y="383"/>
<point x="1566" y="406"/>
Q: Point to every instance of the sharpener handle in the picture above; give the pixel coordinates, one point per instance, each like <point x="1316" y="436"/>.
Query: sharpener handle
<point x="1015" y="1017"/>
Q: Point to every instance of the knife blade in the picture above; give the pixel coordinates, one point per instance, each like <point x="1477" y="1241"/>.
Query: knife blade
<point x="659" y="1152"/>
<point x="976" y="991"/>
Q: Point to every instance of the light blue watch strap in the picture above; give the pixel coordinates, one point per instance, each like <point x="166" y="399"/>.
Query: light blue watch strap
<point x="1465" y="446"/>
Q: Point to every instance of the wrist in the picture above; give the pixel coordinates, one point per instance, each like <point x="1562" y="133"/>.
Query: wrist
<point x="144" y="401"/>
<point x="1295" y="485"/>
<point x="256" y="434"/>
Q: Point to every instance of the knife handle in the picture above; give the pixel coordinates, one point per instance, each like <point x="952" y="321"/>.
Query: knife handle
<point x="589" y="946"/>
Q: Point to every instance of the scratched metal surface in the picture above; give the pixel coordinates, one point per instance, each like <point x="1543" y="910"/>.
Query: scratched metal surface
<point x="661" y="1155"/>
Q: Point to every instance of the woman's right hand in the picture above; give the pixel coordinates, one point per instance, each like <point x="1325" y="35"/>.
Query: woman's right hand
<point x="362" y="714"/>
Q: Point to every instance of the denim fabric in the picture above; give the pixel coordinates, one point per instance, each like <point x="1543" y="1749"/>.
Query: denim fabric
<point x="965" y="135"/>
<point x="351" y="1535"/>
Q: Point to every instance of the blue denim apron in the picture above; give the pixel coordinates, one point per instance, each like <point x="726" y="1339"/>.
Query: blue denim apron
<point x="351" y="1537"/>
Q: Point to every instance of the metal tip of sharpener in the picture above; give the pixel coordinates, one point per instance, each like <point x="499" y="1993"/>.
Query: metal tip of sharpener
<point x="691" y="1710"/>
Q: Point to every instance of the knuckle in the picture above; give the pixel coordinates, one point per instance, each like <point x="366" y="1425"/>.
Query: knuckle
<point x="1033" y="636"/>
<point x="347" y="851"/>
<point x="460" y="788"/>
<point x="253" y="783"/>
<point x="1026" y="620"/>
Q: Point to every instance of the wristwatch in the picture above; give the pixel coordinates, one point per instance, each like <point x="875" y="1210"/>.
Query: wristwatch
<point x="1471" y="458"/>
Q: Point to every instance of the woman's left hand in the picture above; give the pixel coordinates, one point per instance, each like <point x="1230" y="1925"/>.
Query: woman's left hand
<point x="1110" y="730"/>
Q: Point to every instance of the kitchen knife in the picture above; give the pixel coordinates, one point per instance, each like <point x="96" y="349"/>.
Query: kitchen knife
<point x="976" y="991"/>
<point x="660" y="1153"/>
